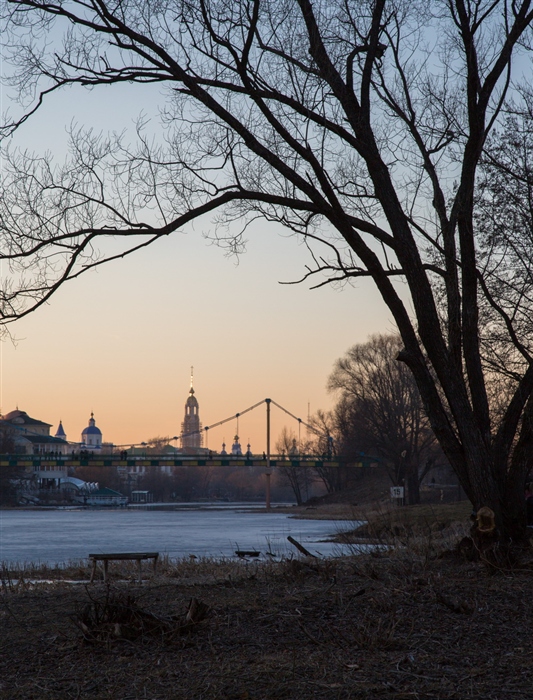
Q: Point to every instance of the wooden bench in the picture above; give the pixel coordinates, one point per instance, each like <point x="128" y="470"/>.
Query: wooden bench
<point x="122" y="556"/>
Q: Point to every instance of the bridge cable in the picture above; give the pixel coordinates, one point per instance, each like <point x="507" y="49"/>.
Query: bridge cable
<point x="307" y="425"/>
<point x="241" y="413"/>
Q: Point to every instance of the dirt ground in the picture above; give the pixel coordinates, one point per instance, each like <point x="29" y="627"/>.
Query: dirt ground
<point x="400" y="624"/>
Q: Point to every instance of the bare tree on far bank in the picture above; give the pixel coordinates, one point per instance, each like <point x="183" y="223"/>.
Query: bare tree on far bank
<point x="380" y="411"/>
<point x="298" y="478"/>
<point x="360" y="127"/>
<point x="8" y="475"/>
<point x="323" y="445"/>
<point x="105" y="477"/>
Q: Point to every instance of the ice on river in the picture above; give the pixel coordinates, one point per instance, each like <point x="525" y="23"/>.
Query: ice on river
<point x="58" y="536"/>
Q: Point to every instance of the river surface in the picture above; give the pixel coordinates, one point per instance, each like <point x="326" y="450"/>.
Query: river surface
<point x="59" y="536"/>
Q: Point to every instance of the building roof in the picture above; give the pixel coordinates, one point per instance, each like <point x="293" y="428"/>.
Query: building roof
<point x="91" y="430"/>
<point x="80" y="484"/>
<point x="104" y="491"/>
<point x="44" y="440"/>
<point x="22" y="418"/>
<point x="60" y="432"/>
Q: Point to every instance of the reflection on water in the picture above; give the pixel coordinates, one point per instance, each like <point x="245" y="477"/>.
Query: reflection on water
<point x="56" y="536"/>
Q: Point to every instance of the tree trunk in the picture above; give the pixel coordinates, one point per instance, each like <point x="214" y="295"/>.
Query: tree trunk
<point x="503" y="494"/>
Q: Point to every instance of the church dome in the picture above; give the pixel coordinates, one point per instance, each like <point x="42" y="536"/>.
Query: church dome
<point x="91" y="429"/>
<point x="191" y="399"/>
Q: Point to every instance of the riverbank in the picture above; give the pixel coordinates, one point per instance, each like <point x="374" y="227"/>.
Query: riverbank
<point x="408" y="623"/>
<point x="384" y="520"/>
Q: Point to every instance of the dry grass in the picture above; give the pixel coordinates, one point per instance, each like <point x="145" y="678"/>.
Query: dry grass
<point x="399" y="624"/>
<point x="24" y="575"/>
<point x="386" y="523"/>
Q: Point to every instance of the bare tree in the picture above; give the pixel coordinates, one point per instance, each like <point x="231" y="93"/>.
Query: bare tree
<point x="158" y="443"/>
<point x="324" y="446"/>
<point x="159" y="483"/>
<point x="380" y="411"/>
<point x="298" y="478"/>
<point x="105" y="477"/>
<point x="7" y="439"/>
<point x="359" y="126"/>
<point x="504" y="218"/>
<point x="8" y="475"/>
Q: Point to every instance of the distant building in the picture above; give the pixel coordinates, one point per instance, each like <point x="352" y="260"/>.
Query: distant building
<point x="76" y="487"/>
<point x="91" y="437"/>
<point x="26" y="424"/>
<point x="32" y="436"/>
<point x="191" y="428"/>
<point x="60" y="432"/>
<point x="236" y="449"/>
<point x="103" y="497"/>
<point x="139" y="496"/>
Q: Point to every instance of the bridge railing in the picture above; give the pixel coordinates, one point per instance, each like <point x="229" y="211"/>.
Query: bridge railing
<point x="124" y="463"/>
<point x="52" y="456"/>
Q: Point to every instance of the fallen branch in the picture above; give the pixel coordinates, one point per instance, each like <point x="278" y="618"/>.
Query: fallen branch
<point x="300" y="547"/>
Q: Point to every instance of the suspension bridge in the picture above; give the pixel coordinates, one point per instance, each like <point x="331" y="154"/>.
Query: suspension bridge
<point x="121" y="458"/>
<point x="83" y="455"/>
<point x="52" y="465"/>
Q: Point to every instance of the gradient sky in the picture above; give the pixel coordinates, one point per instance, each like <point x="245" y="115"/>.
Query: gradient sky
<point x="120" y="341"/>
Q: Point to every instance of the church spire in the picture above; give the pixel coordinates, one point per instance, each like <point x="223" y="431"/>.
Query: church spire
<point x="60" y="432"/>
<point x="191" y="428"/>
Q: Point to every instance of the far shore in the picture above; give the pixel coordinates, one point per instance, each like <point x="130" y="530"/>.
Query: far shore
<point x="326" y="511"/>
<point x="438" y="514"/>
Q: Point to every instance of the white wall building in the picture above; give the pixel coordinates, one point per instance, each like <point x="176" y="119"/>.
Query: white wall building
<point x="91" y="437"/>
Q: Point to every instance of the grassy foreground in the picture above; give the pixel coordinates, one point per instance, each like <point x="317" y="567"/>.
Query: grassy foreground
<point x="426" y="520"/>
<point x="415" y="621"/>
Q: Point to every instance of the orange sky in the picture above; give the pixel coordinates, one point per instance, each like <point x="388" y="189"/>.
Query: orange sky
<point x="120" y="342"/>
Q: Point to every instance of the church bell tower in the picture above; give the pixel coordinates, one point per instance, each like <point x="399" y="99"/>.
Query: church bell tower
<point x="191" y="428"/>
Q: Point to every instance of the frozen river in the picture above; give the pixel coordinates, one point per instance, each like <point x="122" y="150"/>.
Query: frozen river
<point x="57" y="536"/>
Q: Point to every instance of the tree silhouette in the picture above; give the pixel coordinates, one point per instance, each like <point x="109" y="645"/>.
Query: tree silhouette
<point x="358" y="126"/>
<point x="380" y="411"/>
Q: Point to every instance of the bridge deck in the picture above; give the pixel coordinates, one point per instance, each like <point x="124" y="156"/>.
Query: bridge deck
<point x="36" y="461"/>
